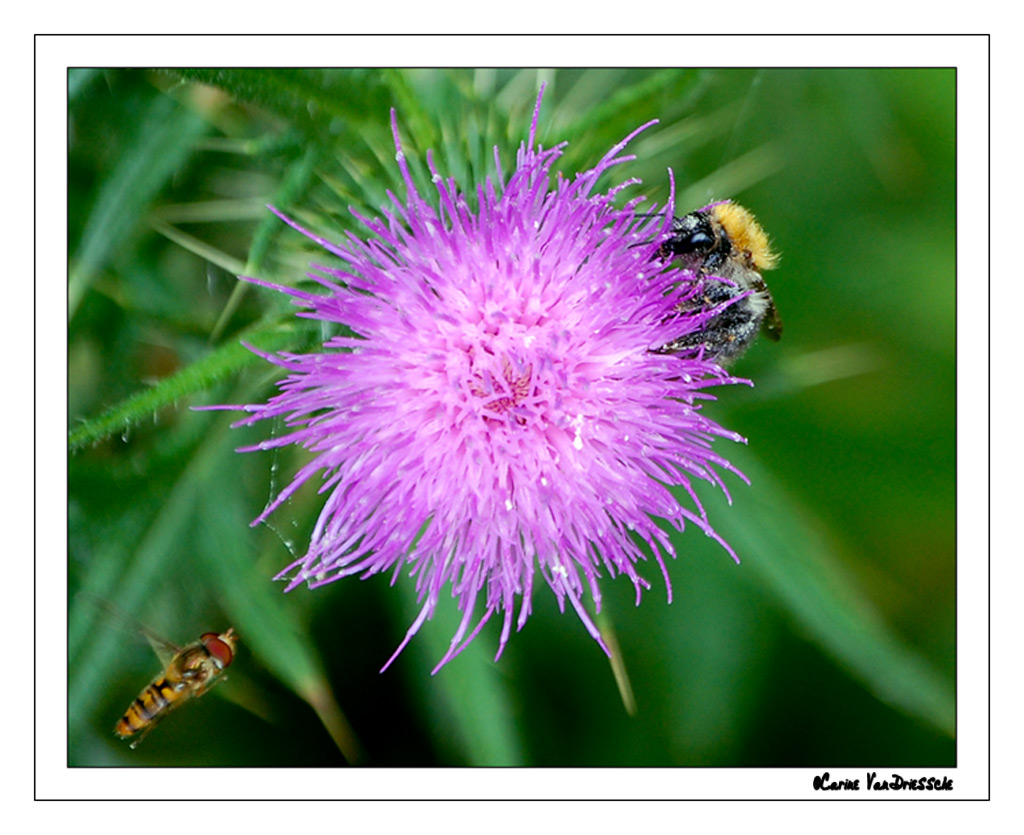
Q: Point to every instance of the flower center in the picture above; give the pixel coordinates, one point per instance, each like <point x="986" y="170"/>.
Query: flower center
<point x="500" y="383"/>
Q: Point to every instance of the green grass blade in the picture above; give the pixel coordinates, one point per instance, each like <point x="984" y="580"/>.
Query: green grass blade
<point x="789" y="557"/>
<point x="469" y="703"/>
<point x="129" y="577"/>
<point x="295" y="185"/>
<point x="166" y="136"/>
<point x="306" y="98"/>
<point x="219" y="364"/>
<point x="263" y="615"/>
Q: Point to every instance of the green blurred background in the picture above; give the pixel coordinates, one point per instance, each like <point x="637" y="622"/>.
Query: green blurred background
<point x="832" y="644"/>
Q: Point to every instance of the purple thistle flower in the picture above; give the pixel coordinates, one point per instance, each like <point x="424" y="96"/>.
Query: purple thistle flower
<point x="499" y="413"/>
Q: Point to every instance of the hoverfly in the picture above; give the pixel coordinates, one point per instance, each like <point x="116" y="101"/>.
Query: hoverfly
<point x="188" y="673"/>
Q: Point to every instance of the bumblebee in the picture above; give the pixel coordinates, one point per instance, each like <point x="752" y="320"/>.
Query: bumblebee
<point x="726" y="249"/>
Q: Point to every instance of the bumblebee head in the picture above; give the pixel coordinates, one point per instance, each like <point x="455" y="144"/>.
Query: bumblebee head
<point x="695" y="243"/>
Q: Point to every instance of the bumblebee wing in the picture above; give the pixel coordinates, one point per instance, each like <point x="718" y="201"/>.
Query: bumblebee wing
<point x="772" y="325"/>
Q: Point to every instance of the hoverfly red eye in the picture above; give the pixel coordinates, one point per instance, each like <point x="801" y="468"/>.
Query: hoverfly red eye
<point x="221" y="649"/>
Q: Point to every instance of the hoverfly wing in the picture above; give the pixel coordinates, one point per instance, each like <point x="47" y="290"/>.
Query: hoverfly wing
<point x="164" y="649"/>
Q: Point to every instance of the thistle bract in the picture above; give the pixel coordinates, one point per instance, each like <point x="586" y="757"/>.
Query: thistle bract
<point x="498" y="420"/>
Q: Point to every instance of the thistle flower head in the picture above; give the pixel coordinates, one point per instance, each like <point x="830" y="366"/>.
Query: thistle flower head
<point x="499" y="421"/>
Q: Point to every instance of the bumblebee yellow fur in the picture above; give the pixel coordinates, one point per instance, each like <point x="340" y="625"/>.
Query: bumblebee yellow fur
<point x="746" y="234"/>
